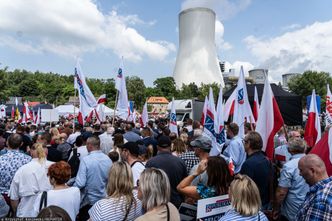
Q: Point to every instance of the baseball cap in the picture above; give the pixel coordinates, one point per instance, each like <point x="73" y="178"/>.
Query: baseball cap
<point x="164" y="141"/>
<point x="142" y="149"/>
<point x="132" y="147"/>
<point x="202" y="142"/>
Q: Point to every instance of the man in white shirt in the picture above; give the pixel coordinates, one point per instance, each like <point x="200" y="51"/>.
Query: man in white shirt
<point x="129" y="153"/>
<point x="106" y="140"/>
<point x="72" y="137"/>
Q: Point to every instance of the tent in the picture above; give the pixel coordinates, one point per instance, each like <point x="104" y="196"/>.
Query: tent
<point x="290" y="105"/>
<point x="67" y="109"/>
<point x="107" y="111"/>
<point x="20" y="108"/>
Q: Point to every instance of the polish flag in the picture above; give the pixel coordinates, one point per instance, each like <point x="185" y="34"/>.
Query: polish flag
<point x="204" y="110"/>
<point x="256" y="105"/>
<point x="324" y="150"/>
<point x="231" y="167"/>
<point x="102" y="99"/>
<point x="312" y="133"/>
<point x="242" y="109"/>
<point x="144" y="116"/>
<point x="38" y="116"/>
<point x="269" y="119"/>
<point x="229" y="106"/>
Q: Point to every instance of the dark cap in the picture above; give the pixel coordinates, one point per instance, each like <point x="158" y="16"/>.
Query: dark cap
<point x="202" y="142"/>
<point x="164" y="141"/>
<point x="132" y="147"/>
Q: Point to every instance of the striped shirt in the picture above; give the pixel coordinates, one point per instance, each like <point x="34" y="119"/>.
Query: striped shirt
<point x="235" y="216"/>
<point x="115" y="209"/>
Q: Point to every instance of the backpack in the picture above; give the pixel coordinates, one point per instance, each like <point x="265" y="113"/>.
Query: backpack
<point x="74" y="162"/>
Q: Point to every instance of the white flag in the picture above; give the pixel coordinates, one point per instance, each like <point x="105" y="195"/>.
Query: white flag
<point x="242" y="109"/>
<point x="328" y="110"/>
<point x="144" y="116"/>
<point x="172" y="120"/>
<point x="87" y="100"/>
<point x="123" y="104"/>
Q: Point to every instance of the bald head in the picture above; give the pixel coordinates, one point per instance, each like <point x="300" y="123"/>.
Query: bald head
<point x="312" y="169"/>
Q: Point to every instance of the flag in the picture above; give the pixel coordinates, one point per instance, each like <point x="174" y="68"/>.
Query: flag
<point x="27" y="114"/>
<point x="204" y="110"/>
<point x="209" y="128"/>
<point x="122" y="104"/>
<point x="102" y="99"/>
<point x="323" y="149"/>
<point x="17" y="114"/>
<point x="269" y="119"/>
<point x="101" y="112"/>
<point x="256" y="105"/>
<point x="219" y="119"/>
<point x="242" y="109"/>
<point x="16" y="101"/>
<point x="328" y="110"/>
<point x="144" y="116"/>
<point x="131" y="112"/>
<point x="13" y="112"/>
<point x="87" y="100"/>
<point x="229" y="106"/>
<point x="172" y="119"/>
<point x="231" y="167"/>
<point x="38" y="116"/>
<point x="312" y="132"/>
<point x="34" y="117"/>
<point x="2" y="111"/>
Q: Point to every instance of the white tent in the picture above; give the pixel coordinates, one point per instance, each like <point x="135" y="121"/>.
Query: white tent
<point x="67" y="109"/>
<point x="107" y="111"/>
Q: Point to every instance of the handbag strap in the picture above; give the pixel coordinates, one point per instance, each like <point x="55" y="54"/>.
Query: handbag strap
<point x="43" y="200"/>
<point x="168" y="215"/>
<point x="128" y="209"/>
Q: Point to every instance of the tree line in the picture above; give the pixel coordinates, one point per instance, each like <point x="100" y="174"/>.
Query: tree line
<point x="55" y="88"/>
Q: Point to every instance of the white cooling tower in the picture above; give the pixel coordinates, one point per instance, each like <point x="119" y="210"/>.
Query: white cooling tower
<point x="197" y="56"/>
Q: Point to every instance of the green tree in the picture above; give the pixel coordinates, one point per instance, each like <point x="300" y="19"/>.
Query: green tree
<point x="165" y="87"/>
<point x="204" y="90"/>
<point x="136" y="90"/>
<point x="304" y="84"/>
<point x="189" y="91"/>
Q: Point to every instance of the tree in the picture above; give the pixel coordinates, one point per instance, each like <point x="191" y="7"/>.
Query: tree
<point x="165" y="87"/>
<point x="204" y="91"/>
<point x="304" y="84"/>
<point x="136" y="90"/>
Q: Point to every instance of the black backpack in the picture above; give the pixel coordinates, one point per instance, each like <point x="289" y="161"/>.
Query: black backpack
<point x="74" y="162"/>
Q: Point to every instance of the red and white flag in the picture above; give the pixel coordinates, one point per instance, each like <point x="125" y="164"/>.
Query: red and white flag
<point x="123" y="109"/>
<point x="37" y="118"/>
<point x="172" y="119"/>
<point x="269" y="119"/>
<point x="102" y="99"/>
<point x="256" y="105"/>
<point x="328" y="110"/>
<point x="144" y="116"/>
<point x="242" y="109"/>
<point x="312" y="132"/>
<point x="87" y="100"/>
<point x="204" y="110"/>
<point x="2" y="111"/>
<point x="324" y="150"/>
<point x="229" y="106"/>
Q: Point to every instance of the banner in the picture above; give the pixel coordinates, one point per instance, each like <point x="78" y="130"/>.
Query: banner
<point x="213" y="208"/>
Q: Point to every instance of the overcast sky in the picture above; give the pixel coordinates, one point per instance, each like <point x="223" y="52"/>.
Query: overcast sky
<point x="49" y="35"/>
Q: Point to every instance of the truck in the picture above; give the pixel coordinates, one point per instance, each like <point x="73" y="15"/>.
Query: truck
<point x="185" y="109"/>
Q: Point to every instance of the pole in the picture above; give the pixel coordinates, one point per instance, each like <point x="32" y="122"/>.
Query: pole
<point x="115" y="106"/>
<point x="74" y="110"/>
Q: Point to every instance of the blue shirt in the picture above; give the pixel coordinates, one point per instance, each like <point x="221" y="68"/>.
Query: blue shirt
<point x="297" y="187"/>
<point x="236" y="152"/>
<point x="9" y="164"/>
<point x="318" y="202"/>
<point x="93" y="175"/>
<point x="235" y="216"/>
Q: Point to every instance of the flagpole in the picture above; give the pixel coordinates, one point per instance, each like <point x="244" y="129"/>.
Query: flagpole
<point x="74" y="109"/>
<point x="115" y="106"/>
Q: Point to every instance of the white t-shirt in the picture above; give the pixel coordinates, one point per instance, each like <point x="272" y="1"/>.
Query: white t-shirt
<point x="82" y="150"/>
<point x="106" y="142"/>
<point x="137" y="169"/>
<point x="68" y="199"/>
<point x="28" y="182"/>
<point x="72" y="137"/>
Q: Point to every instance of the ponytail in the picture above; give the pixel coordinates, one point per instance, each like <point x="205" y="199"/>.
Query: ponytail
<point x="39" y="147"/>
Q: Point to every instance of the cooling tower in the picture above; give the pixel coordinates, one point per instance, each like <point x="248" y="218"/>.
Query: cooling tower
<point x="197" y="60"/>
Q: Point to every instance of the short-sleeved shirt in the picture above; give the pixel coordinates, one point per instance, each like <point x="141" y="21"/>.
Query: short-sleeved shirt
<point x="235" y="216"/>
<point x="115" y="209"/>
<point x="10" y="162"/>
<point x="175" y="169"/>
<point x="318" y="202"/>
<point x="236" y="152"/>
<point x="205" y="191"/>
<point x="190" y="159"/>
<point x="297" y="187"/>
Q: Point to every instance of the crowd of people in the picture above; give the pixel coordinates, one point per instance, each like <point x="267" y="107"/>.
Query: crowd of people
<point x="123" y="171"/>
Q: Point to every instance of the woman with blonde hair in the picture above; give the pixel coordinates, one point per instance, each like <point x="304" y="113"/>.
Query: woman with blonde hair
<point x="29" y="180"/>
<point x="245" y="200"/>
<point x="178" y="147"/>
<point x="122" y="202"/>
<point x="154" y="191"/>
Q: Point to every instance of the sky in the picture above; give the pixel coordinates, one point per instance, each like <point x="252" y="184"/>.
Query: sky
<point x="50" y="35"/>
